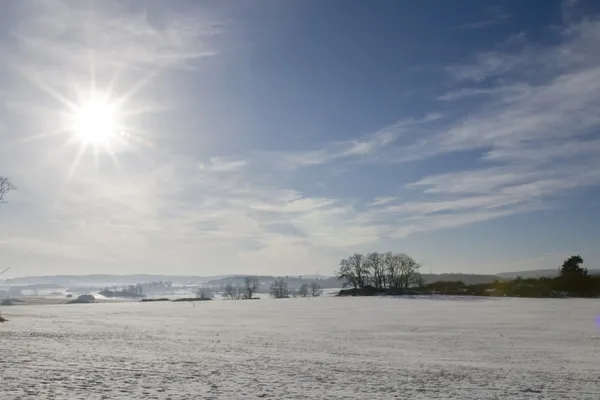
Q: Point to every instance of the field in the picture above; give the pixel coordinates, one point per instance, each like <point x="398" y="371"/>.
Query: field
<point x="321" y="348"/>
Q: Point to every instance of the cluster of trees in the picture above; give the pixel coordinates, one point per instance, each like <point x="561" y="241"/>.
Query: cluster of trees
<point x="156" y="286"/>
<point x="311" y="289"/>
<point x="137" y="290"/>
<point x="573" y="280"/>
<point x="384" y="272"/>
<point x="127" y="291"/>
<point x="204" y="293"/>
<point x="246" y="292"/>
<point x="278" y="289"/>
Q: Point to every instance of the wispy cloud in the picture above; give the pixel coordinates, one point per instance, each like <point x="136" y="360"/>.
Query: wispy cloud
<point x="536" y="133"/>
<point x="368" y="147"/>
<point x="109" y="36"/>
<point x="532" y="124"/>
<point x="217" y="164"/>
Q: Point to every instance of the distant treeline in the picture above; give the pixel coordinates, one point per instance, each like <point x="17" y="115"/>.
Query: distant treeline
<point x="129" y="291"/>
<point x="572" y="281"/>
<point x="137" y="290"/>
<point x="399" y="274"/>
<point x="294" y="283"/>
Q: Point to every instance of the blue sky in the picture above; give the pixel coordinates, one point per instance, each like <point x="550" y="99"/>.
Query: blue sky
<point x="281" y="136"/>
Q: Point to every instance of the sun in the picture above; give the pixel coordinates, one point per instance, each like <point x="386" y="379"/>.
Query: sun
<point x="101" y="121"/>
<point x="95" y="122"/>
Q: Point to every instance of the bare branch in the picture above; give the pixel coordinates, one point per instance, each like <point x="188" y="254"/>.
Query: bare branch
<point x="5" y="186"/>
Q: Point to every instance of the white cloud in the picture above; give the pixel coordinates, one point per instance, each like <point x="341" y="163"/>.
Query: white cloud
<point x="108" y="35"/>
<point x="218" y="164"/>
<point x="533" y="125"/>
<point x="536" y="135"/>
<point x="367" y="147"/>
<point x="381" y="200"/>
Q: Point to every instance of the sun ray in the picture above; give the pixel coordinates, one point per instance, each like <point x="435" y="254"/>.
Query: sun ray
<point x="113" y="82"/>
<point x="94" y="117"/>
<point x="136" y="88"/>
<point x="49" y="90"/>
<point x="96" y="161"/>
<point x="92" y="66"/>
<point x="75" y="164"/>
<point x="115" y="160"/>
<point x="42" y="135"/>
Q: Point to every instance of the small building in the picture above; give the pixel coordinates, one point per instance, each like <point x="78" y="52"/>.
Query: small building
<point x="84" y="298"/>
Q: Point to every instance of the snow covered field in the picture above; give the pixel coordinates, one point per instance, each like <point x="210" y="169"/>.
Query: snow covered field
<point x="322" y="348"/>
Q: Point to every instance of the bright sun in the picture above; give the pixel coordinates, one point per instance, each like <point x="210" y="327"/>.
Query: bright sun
<point x="96" y="122"/>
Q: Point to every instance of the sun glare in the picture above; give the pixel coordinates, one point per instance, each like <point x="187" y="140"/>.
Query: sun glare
<point x="95" y="122"/>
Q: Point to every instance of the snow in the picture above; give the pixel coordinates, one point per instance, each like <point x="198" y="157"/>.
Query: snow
<point x="304" y="348"/>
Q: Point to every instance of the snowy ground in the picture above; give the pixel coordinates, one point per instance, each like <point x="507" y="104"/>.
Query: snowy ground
<point x="322" y="348"/>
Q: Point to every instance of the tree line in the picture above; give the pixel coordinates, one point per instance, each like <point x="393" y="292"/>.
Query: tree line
<point x="128" y="291"/>
<point x="278" y="289"/>
<point x="380" y="272"/>
<point x="573" y="281"/>
<point x="398" y="273"/>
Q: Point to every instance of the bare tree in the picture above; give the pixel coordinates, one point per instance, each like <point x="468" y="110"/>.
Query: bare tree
<point x="387" y="270"/>
<point x="391" y="265"/>
<point x="230" y="291"/>
<point x="303" y="291"/>
<point x="315" y="289"/>
<point x="279" y="289"/>
<point x="374" y="263"/>
<point x="360" y="268"/>
<point x="408" y="271"/>
<point x="251" y="285"/>
<point x="345" y="273"/>
<point x="204" y="292"/>
<point x="5" y="186"/>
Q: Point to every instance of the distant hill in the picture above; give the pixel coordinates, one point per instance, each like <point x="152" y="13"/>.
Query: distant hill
<point x="539" y="273"/>
<point x="468" y="279"/>
<point x="326" y="282"/>
<point x="107" y="279"/>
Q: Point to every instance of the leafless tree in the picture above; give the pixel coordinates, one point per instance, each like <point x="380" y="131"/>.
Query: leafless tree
<point x="345" y="273"/>
<point x="383" y="271"/>
<point x="5" y="186"/>
<point x="251" y="285"/>
<point x="374" y="263"/>
<point x="391" y="264"/>
<point x="409" y="274"/>
<point x="231" y="291"/>
<point x="279" y="289"/>
<point x="359" y="269"/>
<point x="303" y="291"/>
<point x="315" y="289"/>
<point x="204" y="292"/>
